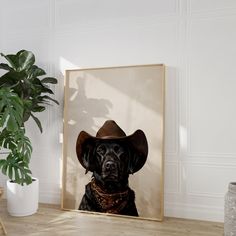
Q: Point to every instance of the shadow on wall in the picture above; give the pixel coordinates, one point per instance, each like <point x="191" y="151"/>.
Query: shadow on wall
<point x="82" y="107"/>
<point x="81" y="110"/>
<point x="126" y="84"/>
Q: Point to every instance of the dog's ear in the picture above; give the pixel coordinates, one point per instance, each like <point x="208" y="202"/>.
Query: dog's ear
<point x="138" y="151"/>
<point x="85" y="151"/>
<point x="136" y="162"/>
<point x="88" y="157"/>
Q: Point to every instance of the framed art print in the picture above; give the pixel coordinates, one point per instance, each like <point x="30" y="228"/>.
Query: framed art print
<point x="128" y="100"/>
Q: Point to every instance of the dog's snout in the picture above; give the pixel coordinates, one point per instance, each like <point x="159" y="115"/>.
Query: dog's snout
<point x="110" y="165"/>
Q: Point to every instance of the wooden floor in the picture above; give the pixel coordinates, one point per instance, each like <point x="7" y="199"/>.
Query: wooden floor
<point x="50" y="220"/>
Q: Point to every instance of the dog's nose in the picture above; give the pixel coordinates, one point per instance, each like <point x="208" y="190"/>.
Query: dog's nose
<point x="110" y="165"/>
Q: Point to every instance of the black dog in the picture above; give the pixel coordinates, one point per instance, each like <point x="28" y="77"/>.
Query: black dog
<point x="111" y="158"/>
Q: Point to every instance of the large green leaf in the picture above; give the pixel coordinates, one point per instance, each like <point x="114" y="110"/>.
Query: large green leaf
<point x="5" y="67"/>
<point x="17" y="142"/>
<point x="16" y="169"/>
<point x="11" y="110"/>
<point x="38" y="108"/>
<point x="6" y="81"/>
<point x="23" y="60"/>
<point x="12" y="78"/>
<point x="37" y="121"/>
<point x="24" y="146"/>
<point x="12" y="59"/>
<point x="16" y="165"/>
<point x="49" y="80"/>
<point x="7" y="140"/>
<point x="45" y="98"/>
<point x="26" y="60"/>
<point x="47" y="90"/>
<point x="35" y="71"/>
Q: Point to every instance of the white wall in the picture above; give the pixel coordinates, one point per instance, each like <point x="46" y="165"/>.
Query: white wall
<point x="196" y="40"/>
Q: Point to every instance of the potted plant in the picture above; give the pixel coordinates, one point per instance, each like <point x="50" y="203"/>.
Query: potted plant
<point x="22" y="94"/>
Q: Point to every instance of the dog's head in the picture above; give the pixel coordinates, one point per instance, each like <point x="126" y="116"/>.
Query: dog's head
<point x="112" y="159"/>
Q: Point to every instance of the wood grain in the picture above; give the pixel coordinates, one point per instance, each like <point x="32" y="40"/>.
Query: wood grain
<point x="1" y="222"/>
<point x="50" y="220"/>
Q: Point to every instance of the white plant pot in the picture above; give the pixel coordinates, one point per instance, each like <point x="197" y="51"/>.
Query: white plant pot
<point x="22" y="200"/>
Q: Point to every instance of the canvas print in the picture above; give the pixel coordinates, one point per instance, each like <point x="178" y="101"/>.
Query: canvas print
<point x="113" y="141"/>
<point x="111" y="156"/>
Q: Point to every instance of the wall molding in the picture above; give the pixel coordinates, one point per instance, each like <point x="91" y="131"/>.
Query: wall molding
<point x="134" y="22"/>
<point x="190" y="20"/>
<point x="218" y="11"/>
<point x="176" y="190"/>
<point x="174" y="101"/>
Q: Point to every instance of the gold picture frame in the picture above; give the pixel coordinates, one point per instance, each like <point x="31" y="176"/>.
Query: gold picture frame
<point x="133" y="96"/>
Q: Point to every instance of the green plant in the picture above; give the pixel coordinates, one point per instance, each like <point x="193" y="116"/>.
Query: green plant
<point x="22" y="94"/>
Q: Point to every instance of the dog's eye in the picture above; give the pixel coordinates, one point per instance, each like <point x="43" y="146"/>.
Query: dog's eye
<point x="118" y="149"/>
<point x="101" y="149"/>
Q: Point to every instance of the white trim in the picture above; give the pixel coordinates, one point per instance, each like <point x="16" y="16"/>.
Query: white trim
<point x="196" y="212"/>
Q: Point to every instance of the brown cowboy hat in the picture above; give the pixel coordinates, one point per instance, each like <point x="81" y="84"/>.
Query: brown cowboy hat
<point x="111" y="131"/>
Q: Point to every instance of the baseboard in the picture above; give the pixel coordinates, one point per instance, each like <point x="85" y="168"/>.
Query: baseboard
<point x="198" y="212"/>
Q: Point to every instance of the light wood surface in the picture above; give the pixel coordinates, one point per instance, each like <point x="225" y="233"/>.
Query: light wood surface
<point x="2" y="226"/>
<point x="50" y="220"/>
